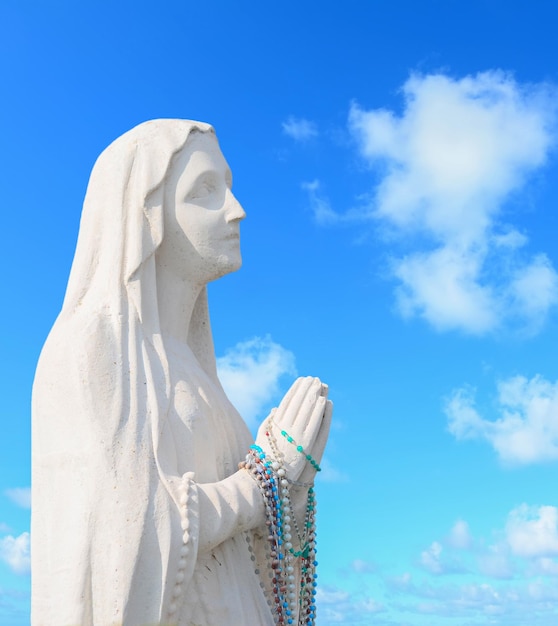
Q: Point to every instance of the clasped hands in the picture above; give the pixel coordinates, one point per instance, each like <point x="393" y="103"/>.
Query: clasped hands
<point x="299" y="428"/>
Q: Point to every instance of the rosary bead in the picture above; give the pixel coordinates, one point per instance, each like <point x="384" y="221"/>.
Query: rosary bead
<point x="289" y="594"/>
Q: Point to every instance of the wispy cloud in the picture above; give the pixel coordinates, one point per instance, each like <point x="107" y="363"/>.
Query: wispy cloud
<point x="460" y="536"/>
<point x="502" y="604"/>
<point x="527" y="546"/>
<point x="506" y="579"/>
<point x="363" y="567"/>
<point x="449" y="163"/>
<point x="430" y="558"/>
<point x="526" y="428"/>
<point x="20" y="496"/>
<point x="533" y="531"/>
<point x="299" y="128"/>
<point x="438" y="561"/>
<point x="338" y="606"/>
<point x="251" y="372"/>
<point x="15" y="552"/>
<point x="323" y="212"/>
<point x="510" y="579"/>
<point x="495" y="561"/>
<point x="320" y="205"/>
<point x="543" y="566"/>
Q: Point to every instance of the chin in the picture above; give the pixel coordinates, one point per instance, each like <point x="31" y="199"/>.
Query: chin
<point x="226" y="265"/>
<point x="234" y="264"/>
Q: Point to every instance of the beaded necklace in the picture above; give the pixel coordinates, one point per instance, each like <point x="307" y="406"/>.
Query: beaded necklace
<point x="291" y="569"/>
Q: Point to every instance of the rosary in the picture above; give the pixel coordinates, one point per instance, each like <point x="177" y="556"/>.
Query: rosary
<point x="291" y="550"/>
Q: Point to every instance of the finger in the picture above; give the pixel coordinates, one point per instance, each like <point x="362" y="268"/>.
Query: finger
<point x="276" y="414"/>
<point x="311" y="427"/>
<point x="321" y="440"/>
<point x="290" y="393"/>
<point x="289" y="409"/>
<point x="317" y="450"/>
<point x="307" y="402"/>
<point x="294" y="442"/>
<point x="304" y="441"/>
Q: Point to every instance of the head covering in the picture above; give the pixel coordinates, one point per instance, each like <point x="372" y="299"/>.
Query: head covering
<point x="122" y="227"/>
<point x="105" y="530"/>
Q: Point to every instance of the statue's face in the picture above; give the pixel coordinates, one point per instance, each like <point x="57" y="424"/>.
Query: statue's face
<point x="202" y="217"/>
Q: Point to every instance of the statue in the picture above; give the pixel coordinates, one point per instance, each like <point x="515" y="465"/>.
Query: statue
<point x="151" y="502"/>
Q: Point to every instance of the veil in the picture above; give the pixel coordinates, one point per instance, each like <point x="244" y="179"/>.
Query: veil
<point x="105" y="487"/>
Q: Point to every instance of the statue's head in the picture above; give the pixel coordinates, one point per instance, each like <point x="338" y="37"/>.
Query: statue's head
<point x="158" y="195"/>
<point x="201" y="239"/>
<point x="160" y="190"/>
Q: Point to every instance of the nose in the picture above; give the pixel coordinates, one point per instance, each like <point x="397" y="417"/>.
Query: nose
<point x="235" y="212"/>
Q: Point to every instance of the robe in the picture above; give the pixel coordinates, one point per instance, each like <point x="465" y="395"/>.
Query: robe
<point x="140" y="515"/>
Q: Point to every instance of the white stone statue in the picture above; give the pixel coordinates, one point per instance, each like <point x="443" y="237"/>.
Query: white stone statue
<point x="141" y="514"/>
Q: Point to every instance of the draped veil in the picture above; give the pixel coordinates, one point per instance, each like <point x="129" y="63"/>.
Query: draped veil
<point x="111" y="517"/>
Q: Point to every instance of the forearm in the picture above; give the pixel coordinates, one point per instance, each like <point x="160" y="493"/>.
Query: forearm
<point x="228" y="507"/>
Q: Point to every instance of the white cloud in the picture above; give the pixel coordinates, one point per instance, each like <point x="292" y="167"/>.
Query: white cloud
<point x="534" y="288"/>
<point x="363" y="567"/>
<point x="526" y="430"/>
<point x="402" y="582"/>
<point x="495" y="562"/>
<point x="331" y="595"/>
<point x="450" y="161"/>
<point x="532" y="603"/>
<point x="458" y="553"/>
<point x="430" y="559"/>
<point x="15" y="552"/>
<point x="337" y="606"/>
<point x="250" y="374"/>
<point x="436" y="560"/>
<point x="442" y="287"/>
<point x="519" y="564"/>
<point x="527" y="547"/>
<point x="319" y="204"/>
<point x="543" y="566"/>
<point x="369" y="605"/>
<point x="460" y="536"/>
<point x="20" y="496"/>
<point x="533" y="531"/>
<point x="323" y="212"/>
<point x="299" y="129"/>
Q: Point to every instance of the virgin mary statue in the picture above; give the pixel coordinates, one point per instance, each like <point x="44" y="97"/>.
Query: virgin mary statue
<point x="141" y="514"/>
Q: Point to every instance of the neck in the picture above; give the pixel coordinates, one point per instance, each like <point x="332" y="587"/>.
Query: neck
<point x="176" y="298"/>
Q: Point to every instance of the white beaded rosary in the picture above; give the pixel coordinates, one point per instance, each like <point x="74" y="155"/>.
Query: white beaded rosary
<point x="291" y="568"/>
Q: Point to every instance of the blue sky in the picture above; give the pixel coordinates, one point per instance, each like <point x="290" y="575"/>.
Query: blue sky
<point x="397" y="163"/>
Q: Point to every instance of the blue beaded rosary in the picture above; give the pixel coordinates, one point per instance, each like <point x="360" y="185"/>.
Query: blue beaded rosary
<point x="292" y="570"/>
<point x="301" y="450"/>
